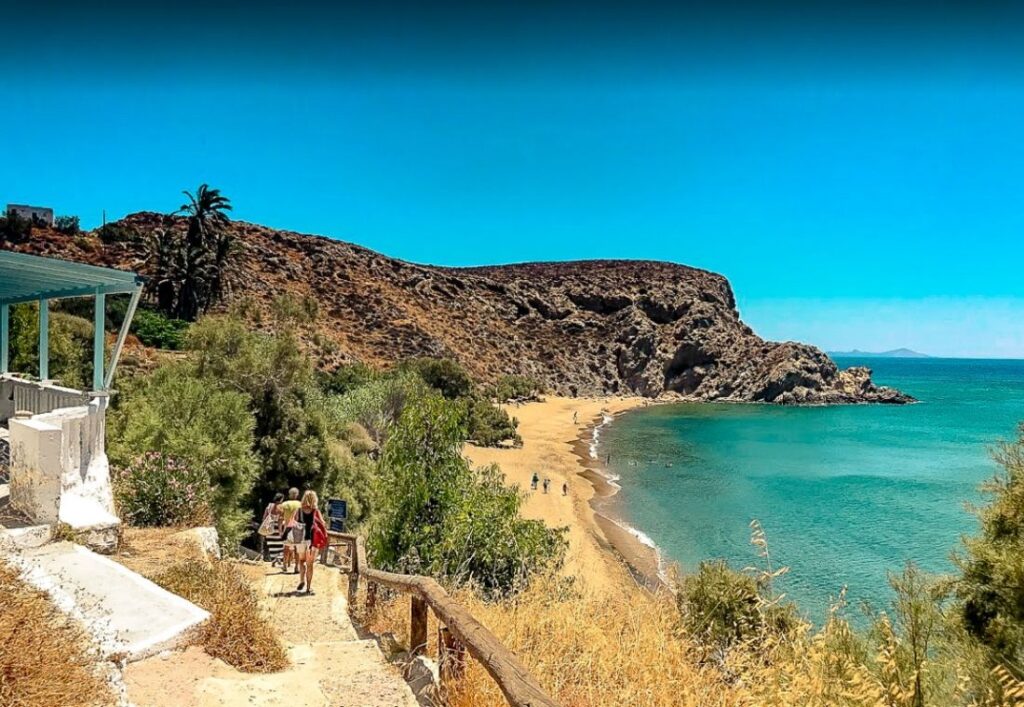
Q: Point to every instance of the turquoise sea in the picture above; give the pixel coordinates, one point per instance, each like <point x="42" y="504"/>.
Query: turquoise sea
<point x="845" y="494"/>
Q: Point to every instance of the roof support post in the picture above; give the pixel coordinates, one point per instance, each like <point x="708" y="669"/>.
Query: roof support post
<point x="5" y="338"/>
<point x="121" y="336"/>
<point x="44" y="339"/>
<point x="98" y="327"/>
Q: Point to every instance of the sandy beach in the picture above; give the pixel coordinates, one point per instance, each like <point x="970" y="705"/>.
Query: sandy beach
<point x="602" y="554"/>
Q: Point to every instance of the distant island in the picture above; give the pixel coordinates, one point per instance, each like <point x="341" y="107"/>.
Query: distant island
<point x="895" y="353"/>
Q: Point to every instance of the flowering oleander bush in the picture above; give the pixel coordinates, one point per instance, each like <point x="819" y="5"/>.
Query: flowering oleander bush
<point x="157" y="489"/>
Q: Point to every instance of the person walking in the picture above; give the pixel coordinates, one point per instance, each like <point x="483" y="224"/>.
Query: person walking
<point x="273" y="508"/>
<point x="565" y="489"/>
<point x="314" y="538"/>
<point x="574" y="416"/>
<point x="547" y="482"/>
<point x="533" y="481"/>
<point x="288" y="510"/>
<point x="270" y="528"/>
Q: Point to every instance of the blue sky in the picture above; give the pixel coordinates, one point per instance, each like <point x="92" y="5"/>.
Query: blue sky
<point x="859" y="178"/>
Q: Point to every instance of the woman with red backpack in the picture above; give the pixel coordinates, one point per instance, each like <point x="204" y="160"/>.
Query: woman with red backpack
<point x="314" y="538"/>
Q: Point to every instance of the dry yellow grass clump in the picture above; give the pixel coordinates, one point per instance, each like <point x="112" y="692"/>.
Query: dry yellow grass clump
<point x="622" y="648"/>
<point x="628" y="648"/>
<point x="46" y="659"/>
<point x="238" y="632"/>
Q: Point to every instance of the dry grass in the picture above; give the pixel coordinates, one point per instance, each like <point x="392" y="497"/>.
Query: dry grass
<point x="238" y="632"/>
<point x="46" y="659"/>
<point x="584" y="649"/>
<point x="627" y="649"/>
<point x="150" y="551"/>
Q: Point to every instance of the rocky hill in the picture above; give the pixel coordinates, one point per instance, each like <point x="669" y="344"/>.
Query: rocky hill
<point x="583" y="328"/>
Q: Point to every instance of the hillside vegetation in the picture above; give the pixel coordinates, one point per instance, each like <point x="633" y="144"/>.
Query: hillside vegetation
<point x="248" y="407"/>
<point x="579" y="328"/>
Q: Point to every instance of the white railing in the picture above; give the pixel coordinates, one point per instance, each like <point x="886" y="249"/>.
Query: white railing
<point x="17" y="394"/>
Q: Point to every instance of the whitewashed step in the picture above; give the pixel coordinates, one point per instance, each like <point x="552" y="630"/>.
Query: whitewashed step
<point x="125" y="612"/>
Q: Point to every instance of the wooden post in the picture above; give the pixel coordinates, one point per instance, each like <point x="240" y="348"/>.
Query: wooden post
<point x="417" y="626"/>
<point x="371" y="597"/>
<point x="353" y="579"/>
<point x="451" y="655"/>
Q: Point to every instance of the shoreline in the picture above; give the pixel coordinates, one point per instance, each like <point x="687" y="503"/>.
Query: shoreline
<point x="605" y="553"/>
<point x="634" y="547"/>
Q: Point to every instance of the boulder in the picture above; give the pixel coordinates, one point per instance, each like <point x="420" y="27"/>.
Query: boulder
<point x="205" y="540"/>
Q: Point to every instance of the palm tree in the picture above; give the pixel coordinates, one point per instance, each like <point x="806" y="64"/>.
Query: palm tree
<point x="206" y="249"/>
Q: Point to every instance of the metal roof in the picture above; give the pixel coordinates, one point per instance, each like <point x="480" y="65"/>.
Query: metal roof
<point x="26" y="278"/>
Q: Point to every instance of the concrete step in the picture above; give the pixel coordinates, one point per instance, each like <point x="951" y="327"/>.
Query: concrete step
<point x="126" y="613"/>
<point x="335" y="674"/>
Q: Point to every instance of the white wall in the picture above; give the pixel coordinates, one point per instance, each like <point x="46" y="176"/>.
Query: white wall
<point x="59" y="467"/>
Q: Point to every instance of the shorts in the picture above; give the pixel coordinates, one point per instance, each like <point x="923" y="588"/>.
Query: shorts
<point x="300" y="548"/>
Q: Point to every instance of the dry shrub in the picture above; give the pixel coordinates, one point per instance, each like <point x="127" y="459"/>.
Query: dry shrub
<point x="620" y="648"/>
<point x="238" y="632"/>
<point x="46" y="658"/>
<point x="628" y="648"/>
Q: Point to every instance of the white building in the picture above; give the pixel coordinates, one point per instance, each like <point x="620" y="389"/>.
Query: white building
<point x="37" y="214"/>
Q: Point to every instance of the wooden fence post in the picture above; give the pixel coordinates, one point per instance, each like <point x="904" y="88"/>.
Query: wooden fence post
<point x="353" y="578"/>
<point x="451" y="655"/>
<point x="417" y="625"/>
<point x="371" y="597"/>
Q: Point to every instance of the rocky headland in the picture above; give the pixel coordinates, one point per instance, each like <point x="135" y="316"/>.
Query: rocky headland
<point x="582" y="328"/>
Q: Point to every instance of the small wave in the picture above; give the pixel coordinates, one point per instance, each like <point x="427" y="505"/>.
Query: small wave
<point x="595" y="435"/>
<point x="647" y="541"/>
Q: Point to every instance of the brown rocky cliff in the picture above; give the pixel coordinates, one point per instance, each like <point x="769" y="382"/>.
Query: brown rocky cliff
<point x="583" y="328"/>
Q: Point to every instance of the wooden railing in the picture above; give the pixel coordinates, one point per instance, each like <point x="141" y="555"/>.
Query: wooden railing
<point x="460" y="631"/>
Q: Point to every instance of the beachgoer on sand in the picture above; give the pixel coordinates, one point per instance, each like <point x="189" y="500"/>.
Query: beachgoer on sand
<point x="533" y="481"/>
<point x="309" y="525"/>
<point x="288" y="510"/>
<point x="574" y="414"/>
<point x="547" y="482"/>
<point x="565" y="489"/>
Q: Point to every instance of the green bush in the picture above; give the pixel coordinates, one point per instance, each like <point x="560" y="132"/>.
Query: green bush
<point x="434" y="514"/>
<point x="157" y="489"/>
<point x="377" y="405"/>
<point x="157" y="330"/>
<point x="489" y="425"/>
<point x="345" y="379"/>
<point x="722" y="607"/>
<point x="70" y="345"/>
<point x="991" y="589"/>
<point x="177" y="414"/>
<point x="509" y="388"/>
<point x="68" y="225"/>
<point x="443" y="374"/>
<point x="116" y="233"/>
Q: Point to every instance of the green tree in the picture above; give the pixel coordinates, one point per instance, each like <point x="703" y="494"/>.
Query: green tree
<point x="68" y="225"/>
<point x="436" y="515"/>
<point x="443" y="374"/>
<point x="991" y="588"/>
<point x="70" y="339"/>
<point x="176" y="413"/>
<point x="189" y="270"/>
<point x="292" y="434"/>
<point x="207" y="247"/>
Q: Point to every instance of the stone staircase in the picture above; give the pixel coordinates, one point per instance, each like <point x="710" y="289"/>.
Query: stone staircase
<point x="330" y="663"/>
